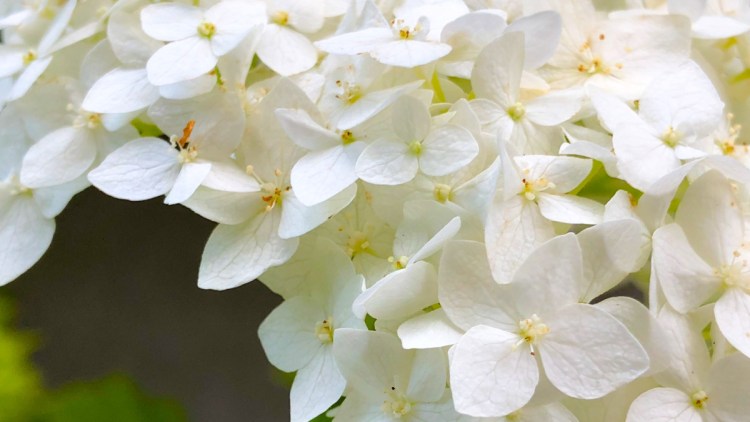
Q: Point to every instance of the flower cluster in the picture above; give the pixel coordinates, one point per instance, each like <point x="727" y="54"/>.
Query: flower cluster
<point x="445" y="192"/>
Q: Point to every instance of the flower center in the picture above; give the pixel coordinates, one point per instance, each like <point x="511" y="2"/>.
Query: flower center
<point x="188" y="153"/>
<point x="442" y="193"/>
<point x="516" y="111"/>
<point x="29" y="57"/>
<point x="357" y="243"/>
<point x="671" y="137"/>
<point x="531" y="330"/>
<point x="532" y="187"/>
<point x="415" y="147"/>
<point x="404" y="31"/>
<point x="347" y="137"/>
<point x="206" y="29"/>
<point x="399" y="263"/>
<point x="324" y="331"/>
<point x="699" y="399"/>
<point x="350" y="92"/>
<point x="396" y="404"/>
<point x="280" y="18"/>
<point x="734" y="275"/>
<point x="273" y="195"/>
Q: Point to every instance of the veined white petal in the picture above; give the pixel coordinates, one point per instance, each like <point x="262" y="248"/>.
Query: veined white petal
<point x="141" y="169"/>
<point x="121" y="91"/>
<point x="25" y="234"/>
<point x="447" y="149"/>
<point x="59" y="157"/>
<point x="191" y="176"/>
<point x="181" y="61"/>
<point x="171" y="21"/>
<point x="285" y="51"/>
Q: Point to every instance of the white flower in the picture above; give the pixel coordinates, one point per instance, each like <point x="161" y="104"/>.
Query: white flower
<point x="585" y="352"/>
<point x="677" y="114"/>
<point x="705" y="253"/>
<point x="407" y="385"/>
<point x="416" y="146"/>
<point x="300" y="333"/>
<point x="196" y="38"/>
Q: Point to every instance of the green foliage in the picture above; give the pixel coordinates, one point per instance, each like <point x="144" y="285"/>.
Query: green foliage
<point x="23" y="399"/>
<point x="114" y="399"/>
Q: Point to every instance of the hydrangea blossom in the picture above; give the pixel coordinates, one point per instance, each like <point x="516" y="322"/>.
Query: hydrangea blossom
<point x="451" y="196"/>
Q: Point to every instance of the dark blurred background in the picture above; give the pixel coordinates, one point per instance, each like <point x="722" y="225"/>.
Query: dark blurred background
<point x="116" y="293"/>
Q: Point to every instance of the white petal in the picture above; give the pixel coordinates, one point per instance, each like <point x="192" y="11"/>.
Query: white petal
<point x="128" y="41"/>
<point x="304" y="131"/>
<point x="316" y="387"/>
<point x="287" y="334"/>
<point x="490" y="376"/>
<point x="718" y="27"/>
<point x="612" y="250"/>
<point x="409" y="53"/>
<point x="428" y="376"/>
<point x="642" y="158"/>
<point x="121" y="91"/>
<point x="663" y="405"/>
<point x="446" y="149"/>
<point x="370" y="105"/>
<point x="387" y="163"/>
<point x="235" y="255"/>
<point x="59" y="157"/>
<point x="733" y="317"/>
<point x="554" y="108"/>
<point x="644" y="327"/>
<point x="611" y="111"/>
<point x="181" y="61"/>
<point x="223" y="207"/>
<point x="54" y="199"/>
<point x="687" y="281"/>
<point x="357" y="42"/>
<point x="359" y="355"/>
<point x="570" y="209"/>
<point x="588" y="353"/>
<point x="410" y="119"/>
<point x="428" y="331"/>
<point x="542" y="35"/>
<point x="436" y="242"/>
<point x="170" y="21"/>
<point x="191" y="176"/>
<point x="728" y="388"/>
<point x="684" y="99"/>
<point x="466" y="290"/>
<point x="693" y="9"/>
<point x="27" y="78"/>
<point x="140" y="169"/>
<point x="203" y="84"/>
<point x="549" y="278"/>
<point x="402" y="293"/>
<point x="497" y="71"/>
<point x="233" y="20"/>
<point x="513" y="230"/>
<point x="319" y="175"/>
<point x="709" y="215"/>
<point x="285" y="51"/>
<point x="228" y="177"/>
<point x="298" y="219"/>
<point x="565" y="172"/>
<point x="25" y="234"/>
<point x="11" y="60"/>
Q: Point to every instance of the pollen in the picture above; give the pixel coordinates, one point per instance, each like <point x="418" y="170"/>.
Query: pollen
<point x="29" y="57"/>
<point x="356" y="243"/>
<point x="324" y="330"/>
<point x="396" y="405"/>
<point x="400" y="263"/>
<point x="186" y="132"/>
<point x="699" y="399"/>
<point x="531" y="188"/>
<point x="516" y="111"/>
<point x="347" y="137"/>
<point x="671" y="137"/>
<point x="415" y="147"/>
<point x="206" y="29"/>
<point x="442" y="193"/>
<point x="350" y="92"/>
<point x="280" y="18"/>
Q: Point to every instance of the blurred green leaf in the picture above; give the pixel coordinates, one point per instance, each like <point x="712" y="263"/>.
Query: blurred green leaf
<point x="113" y="399"/>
